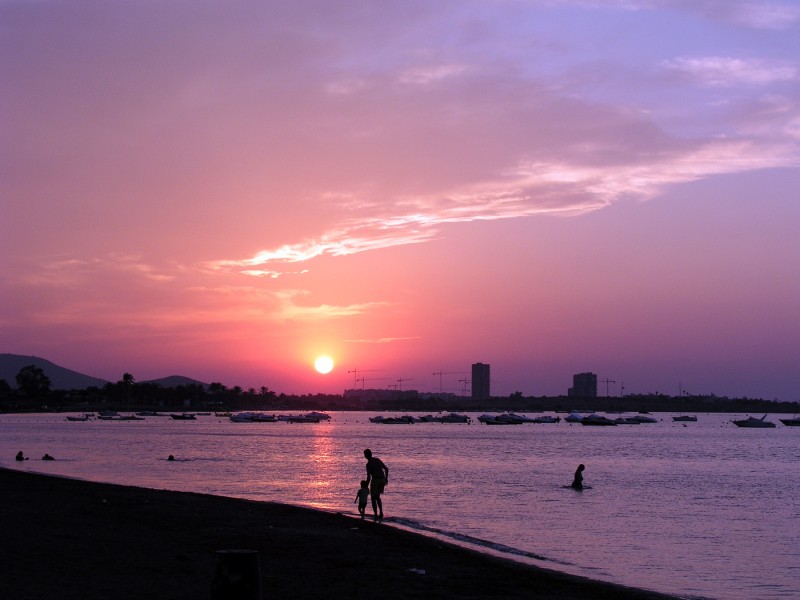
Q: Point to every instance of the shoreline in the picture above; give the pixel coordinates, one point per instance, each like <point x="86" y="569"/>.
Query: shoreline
<point x="70" y="538"/>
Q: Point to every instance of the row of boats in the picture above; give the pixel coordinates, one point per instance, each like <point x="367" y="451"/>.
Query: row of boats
<point x="762" y="423"/>
<point x="242" y="417"/>
<point x="591" y="420"/>
<point x="508" y="418"/>
<point x="517" y="419"/>
<point x="111" y="415"/>
<point x="257" y="417"/>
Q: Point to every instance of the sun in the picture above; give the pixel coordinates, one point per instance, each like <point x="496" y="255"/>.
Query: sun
<point x="323" y="364"/>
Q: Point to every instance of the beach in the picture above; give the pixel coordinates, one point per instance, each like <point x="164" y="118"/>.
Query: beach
<point x="66" y="538"/>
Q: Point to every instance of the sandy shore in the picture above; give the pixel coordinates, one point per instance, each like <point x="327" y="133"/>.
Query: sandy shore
<point x="64" y="538"/>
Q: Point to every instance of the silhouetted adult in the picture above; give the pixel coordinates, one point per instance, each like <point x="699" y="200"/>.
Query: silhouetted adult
<point x="577" y="482"/>
<point x="377" y="477"/>
<point x="20" y="456"/>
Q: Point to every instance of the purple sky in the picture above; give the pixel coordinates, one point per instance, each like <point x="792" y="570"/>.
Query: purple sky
<point x="228" y="190"/>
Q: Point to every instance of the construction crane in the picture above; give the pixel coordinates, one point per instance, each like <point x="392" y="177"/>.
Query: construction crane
<point x="400" y="383"/>
<point x="355" y="373"/>
<point x="440" y="373"/>
<point x="607" y="381"/>
<point x="466" y="383"/>
<point x="365" y="379"/>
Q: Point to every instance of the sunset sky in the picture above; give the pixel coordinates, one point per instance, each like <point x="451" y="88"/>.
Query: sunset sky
<point x="227" y="190"/>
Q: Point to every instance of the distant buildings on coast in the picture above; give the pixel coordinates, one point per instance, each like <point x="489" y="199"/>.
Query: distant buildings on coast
<point x="584" y="385"/>
<point x="481" y="389"/>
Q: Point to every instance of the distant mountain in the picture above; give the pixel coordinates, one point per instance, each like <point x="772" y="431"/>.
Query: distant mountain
<point x="60" y="378"/>
<point x="174" y="381"/>
<point x="66" y="379"/>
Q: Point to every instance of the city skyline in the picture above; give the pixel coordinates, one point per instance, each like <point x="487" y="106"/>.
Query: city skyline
<point x="549" y="187"/>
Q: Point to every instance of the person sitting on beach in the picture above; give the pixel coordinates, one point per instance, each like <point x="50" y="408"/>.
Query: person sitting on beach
<point x="170" y="457"/>
<point x="361" y="497"/>
<point x="378" y="476"/>
<point x="47" y="457"/>
<point x="21" y="456"/>
<point x="577" y="482"/>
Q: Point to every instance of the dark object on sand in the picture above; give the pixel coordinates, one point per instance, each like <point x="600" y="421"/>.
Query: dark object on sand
<point x="238" y="576"/>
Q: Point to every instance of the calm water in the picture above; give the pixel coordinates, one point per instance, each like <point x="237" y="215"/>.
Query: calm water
<point x="702" y="510"/>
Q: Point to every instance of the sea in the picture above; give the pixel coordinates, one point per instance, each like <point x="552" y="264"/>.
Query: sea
<point x="695" y="509"/>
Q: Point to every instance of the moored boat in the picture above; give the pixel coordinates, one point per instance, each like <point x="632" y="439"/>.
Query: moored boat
<point x="642" y="418"/>
<point x="793" y="422"/>
<point x="319" y="415"/>
<point x="547" y="419"/>
<point x="298" y="419"/>
<point x="262" y="418"/>
<point x="401" y="420"/>
<point x="598" y="420"/>
<point x="183" y="417"/>
<point x="685" y="418"/>
<point x="81" y="418"/>
<point x="753" y="422"/>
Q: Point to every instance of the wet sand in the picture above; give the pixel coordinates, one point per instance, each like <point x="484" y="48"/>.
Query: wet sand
<point x="64" y="538"/>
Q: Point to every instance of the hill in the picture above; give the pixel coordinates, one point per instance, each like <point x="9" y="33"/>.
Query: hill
<point x="174" y="381"/>
<point x="60" y="378"/>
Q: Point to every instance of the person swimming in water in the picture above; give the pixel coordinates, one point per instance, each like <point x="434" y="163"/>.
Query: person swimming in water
<point x="577" y="482"/>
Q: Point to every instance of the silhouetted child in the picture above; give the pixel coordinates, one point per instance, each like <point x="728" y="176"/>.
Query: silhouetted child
<point x="21" y="456"/>
<point x="361" y="497"/>
<point x="47" y="457"/>
<point x="577" y="483"/>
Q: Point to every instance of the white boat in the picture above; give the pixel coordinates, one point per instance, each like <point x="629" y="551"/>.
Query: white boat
<point x="753" y="422"/>
<point x="627" y="421"/>
<point x="321" y="416"/>
<point x="298" y="419"/>
<point x="643" y="419"/>
<point x="498" y="420"/>
<point x="547" y="419"/>
<point x="262" y="418"/>
<point x="574" y="418"/>
<point x="451" y="418"/>
<point x="597" y="420"/>
<point x="242" y="417"/>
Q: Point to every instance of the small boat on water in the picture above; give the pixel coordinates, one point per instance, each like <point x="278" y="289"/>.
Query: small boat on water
<point x="642" y="418"/>
<point x="547" y="419"/>
<point x="685" y="418"/>
<point x="81" y="418"/>
<point x="319" y="415"/>
<point x="257" y="417"/>
<point x="598" y="421"/>
<point x="184" y="417"/>
<point x="402" y="420"/>
<point x="753" y="422"/>
<point x="627" y="421"/>
<point x="448" y="418"/>
<point x="574" y="418"/>
<point x="298" y="419"/>
<point x="793" y="422"/>
<point x="504" y="419"/>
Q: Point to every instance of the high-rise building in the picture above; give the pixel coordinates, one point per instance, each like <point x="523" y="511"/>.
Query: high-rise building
<point x="480" y="382"/>
<point x="584" y="385"/>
